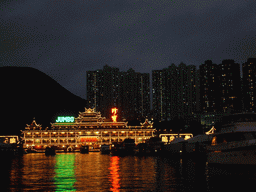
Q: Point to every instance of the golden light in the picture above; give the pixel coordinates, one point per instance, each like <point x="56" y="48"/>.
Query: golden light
<point x="114" y="116"/>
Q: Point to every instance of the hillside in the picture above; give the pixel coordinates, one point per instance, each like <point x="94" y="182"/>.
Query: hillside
<point x="26" y="93"/>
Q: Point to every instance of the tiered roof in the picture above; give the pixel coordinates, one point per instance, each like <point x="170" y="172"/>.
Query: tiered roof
<point x="34" y="125"/>
<point x="147" y="123"/>
<point x="89" y="115"/>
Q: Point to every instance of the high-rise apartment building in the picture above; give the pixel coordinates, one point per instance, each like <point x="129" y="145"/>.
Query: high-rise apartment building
<point x="135" y="94"/>
<point x="175" y="92"/>
<point x="209" y="87"/>
<point x="220" y="87"/>
<point x="230" y="86"/>
<point x="103" y="90"/>
<point x="128" y="91"/>
<point x="249" y="85"/>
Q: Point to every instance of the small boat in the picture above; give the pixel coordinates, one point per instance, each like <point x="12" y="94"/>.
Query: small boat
<point x="31" y="150"/>
<point x="236" y="142"/>
<point x="84" y="149"/>
<point x="49" y="151"/>
<point x="105" y="149"/>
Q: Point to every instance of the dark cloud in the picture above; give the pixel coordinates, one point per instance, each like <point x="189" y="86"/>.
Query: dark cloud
<point x="65" y="39"/>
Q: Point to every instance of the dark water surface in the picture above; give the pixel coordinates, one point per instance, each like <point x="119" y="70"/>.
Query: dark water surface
<point x="97" y="172"/>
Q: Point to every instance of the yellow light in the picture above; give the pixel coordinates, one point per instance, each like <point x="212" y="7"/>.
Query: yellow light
<point x="54" y="132"/>
<point x="97" y="132"/>
<point x="114" y="116"/>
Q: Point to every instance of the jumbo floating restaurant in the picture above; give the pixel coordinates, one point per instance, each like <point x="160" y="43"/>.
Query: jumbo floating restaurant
<point x="89" y="128"/>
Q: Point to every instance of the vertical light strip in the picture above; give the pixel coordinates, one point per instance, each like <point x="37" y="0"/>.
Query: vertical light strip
<point x="114" y="175"/>
<point x="65" y="172"/>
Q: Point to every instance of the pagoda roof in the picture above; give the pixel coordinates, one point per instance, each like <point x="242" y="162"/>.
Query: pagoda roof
<point x="147" y="123"/>
<point x="34" y="124"/>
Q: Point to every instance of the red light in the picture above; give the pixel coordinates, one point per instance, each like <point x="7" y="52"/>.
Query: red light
<point x="114" y="116"/>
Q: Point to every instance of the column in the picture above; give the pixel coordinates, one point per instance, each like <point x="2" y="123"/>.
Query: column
<point x="67" y="137"/>
<point x="135" y="135"/>
<point x="58" y="138"/>
<point x="24" y="142"/>
<point x="110" y="138"/>
<point x="101" y="138"/>
<point x="117" y="136"/>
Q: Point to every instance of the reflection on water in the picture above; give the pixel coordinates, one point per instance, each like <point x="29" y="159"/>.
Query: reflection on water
<point x="64" y="178"/>
<point x="97" y="172"/>
<point x="114" y="179"/>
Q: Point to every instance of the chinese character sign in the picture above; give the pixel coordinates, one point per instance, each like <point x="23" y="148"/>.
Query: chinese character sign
<point x="114" y="116"/>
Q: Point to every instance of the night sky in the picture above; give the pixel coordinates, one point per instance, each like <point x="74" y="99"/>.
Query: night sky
<point x="66" y="38"/>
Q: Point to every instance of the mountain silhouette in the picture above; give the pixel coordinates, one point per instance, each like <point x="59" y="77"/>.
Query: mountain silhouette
<point x="27" y="93"/>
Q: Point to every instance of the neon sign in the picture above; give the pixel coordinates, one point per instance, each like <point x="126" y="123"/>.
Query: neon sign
<point x="114" y="116"/>
<point x="63" y="119"/>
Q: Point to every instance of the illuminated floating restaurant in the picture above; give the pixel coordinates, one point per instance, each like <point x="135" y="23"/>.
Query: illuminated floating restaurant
<point x="89" y="128"/>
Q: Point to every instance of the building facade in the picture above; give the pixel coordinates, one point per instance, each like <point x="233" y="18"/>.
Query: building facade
<point x="134" y="94"/>
<point x="220" y="87"/>
<point x="175" y="92"/>
<point x="230" y="86"/>
<point x="249" y="85"/>
<point x="209" y="87"/>
<point x="89" y="128"/>
<point x="128" y="91"/>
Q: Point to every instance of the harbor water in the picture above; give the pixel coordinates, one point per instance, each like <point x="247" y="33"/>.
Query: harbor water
<point x="101" y="172"/>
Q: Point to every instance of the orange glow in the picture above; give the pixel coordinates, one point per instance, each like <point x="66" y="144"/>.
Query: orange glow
<point x="89" y="139"/>
<point x="114" y="169"/>
<point x="114" y="116"/>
